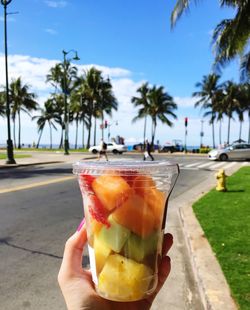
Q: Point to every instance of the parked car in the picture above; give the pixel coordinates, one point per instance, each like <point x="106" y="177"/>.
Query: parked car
<point x="234" y="151"/>
<point x="112" y="147"/>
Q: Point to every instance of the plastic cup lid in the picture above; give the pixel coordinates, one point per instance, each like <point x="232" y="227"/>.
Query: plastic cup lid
<point x="125" y="167"/>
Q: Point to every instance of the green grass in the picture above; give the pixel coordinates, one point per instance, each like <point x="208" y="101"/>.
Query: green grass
<point x="48" y="150"/>
<point x="3" y="156"/>
<point x="225" y="219"/>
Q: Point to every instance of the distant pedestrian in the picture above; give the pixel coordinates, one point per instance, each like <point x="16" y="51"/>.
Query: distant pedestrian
<point x="147" y="152"/>
<point x="103" y="150"/>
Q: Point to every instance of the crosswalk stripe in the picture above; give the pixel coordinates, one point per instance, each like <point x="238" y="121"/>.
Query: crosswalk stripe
<point x="194" y="164"/>
<point x="230" y="165"/>
<point x="205" y="165"/>
<point x="217" y="165"/>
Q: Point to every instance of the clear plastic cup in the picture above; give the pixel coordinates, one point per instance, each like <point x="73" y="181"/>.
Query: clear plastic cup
<point x="125" y="207"/>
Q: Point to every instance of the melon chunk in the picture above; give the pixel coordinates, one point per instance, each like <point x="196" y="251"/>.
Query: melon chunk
<point x="101" y="253"/>
<point x="136" y="215"/>
<point x="124" y="279"/>
<point x="138" y="248"/>
<point x="111" y="190"/>
<point x="114" y="236"/>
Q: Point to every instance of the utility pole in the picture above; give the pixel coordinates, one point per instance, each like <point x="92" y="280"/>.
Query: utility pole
<point x="10" y="154"/>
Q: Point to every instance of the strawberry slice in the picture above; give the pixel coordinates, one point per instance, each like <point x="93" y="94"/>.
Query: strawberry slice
<point x="97" y="210"/>
<point x="86" y="182"/>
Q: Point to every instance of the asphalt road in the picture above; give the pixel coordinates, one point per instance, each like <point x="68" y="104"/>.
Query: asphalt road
<point x="35" y="223"/>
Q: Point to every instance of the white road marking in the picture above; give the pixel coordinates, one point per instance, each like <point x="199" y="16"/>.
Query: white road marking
<point x="194" y="164"/>
<point x="205" y="165"/>
<point x="230" y="165"/>
<point x="217" y="165"/>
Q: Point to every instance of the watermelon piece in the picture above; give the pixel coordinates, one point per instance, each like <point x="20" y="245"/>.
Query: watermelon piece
<point x="86" y="181"/>
<point x="97" y="211"/>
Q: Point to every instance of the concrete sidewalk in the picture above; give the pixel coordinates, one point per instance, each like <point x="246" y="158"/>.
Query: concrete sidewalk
<point x="209" y="288"/>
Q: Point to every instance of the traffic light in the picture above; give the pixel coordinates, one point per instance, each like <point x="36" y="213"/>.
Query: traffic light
<point x="106" y="124"/>
<point x="186" y="121"/>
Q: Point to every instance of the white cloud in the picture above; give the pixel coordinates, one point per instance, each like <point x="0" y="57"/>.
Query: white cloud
<point x="56" y="4"/>
<point x="185" y="102"/>
<point x="9" y="19"/>
<point x="50" y="31"/>
<point x="33" y="71"/>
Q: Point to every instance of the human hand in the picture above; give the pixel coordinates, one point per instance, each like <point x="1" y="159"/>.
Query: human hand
<point x="77" y="286"/>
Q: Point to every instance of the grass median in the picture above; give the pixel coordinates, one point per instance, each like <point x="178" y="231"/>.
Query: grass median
<point x="3" y="156"/>
<point x="225" y="219"/>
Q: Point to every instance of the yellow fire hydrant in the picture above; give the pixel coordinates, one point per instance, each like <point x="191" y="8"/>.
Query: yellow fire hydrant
<point x="221" y="181"/>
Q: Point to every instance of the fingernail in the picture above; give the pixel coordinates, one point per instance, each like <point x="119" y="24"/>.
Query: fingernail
<point x="80" y="225"/>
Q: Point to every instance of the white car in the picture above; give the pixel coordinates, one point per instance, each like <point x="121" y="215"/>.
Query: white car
<point x="112" y="147"/>
<point x="234" y="151"/>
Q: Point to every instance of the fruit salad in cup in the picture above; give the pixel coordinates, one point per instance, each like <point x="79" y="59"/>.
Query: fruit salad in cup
<point x="124" y="213"/>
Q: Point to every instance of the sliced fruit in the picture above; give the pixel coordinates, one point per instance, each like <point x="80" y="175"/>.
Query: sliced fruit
<point x="85" y="181"/>
<point x="114" y="236"/>
<point x="111" y="190"/>
<point x="156" y="201"/>
<point x="138" y="248"/>
<point x="101" y="253"/>
<point x="96" y="210"/>
<point x="124" y="279"/>
<point x="136" y="215"/>
<point x="142" y="183"/>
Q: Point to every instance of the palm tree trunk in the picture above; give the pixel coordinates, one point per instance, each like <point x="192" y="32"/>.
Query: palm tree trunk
<point x="153" y="134"/>
<point x="228" y="129"/>
<point x="14" y="131"/>
<point x="83" y="134"/>
<point x="40" y="136"/>
<point x="50" y="132"/>
<point x="19" y="130"/>
<point x="220" y="132"/>
<point x="249" y="128"/>
<point x="89" y="133"/>
<point x="213" y="134"/>
<point x="95" y="131"/>
<point x="61" y="141"/>
<point x="240" y="130"/>
<point x="144" y="132"/>
<point x="76" y="133"/>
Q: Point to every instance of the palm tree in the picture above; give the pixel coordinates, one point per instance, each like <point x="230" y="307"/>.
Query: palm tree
<point x="231" y="36"/>
<point x="48" y="115"/>
<point x="107" y="100"/>
<point x="246" y="103"/>
<point x="21" y="100"/>
<point x="2" y="104"/>
<point x="231" y="101"/>
<point x="161" y="106"/>
<point x="63" y="77"/>
<point x="142" y="101"/>
<point x="208" y="94"/>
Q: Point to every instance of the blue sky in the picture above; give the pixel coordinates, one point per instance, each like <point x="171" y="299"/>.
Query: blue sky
<point x="131" y="41"/>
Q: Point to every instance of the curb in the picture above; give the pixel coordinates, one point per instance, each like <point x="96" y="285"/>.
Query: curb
<point x="5" y="166"/>
<point x="214" y="291"/>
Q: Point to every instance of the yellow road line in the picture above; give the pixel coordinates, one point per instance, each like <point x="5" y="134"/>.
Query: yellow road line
<point x="43" y="183"/>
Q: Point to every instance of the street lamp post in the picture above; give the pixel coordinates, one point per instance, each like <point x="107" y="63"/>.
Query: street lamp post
<point x="10" y="154"/>
<point x="66" y="116"/>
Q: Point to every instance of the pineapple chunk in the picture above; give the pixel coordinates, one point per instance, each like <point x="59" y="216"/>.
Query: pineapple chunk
<point x="111" y="190"/>
<point x="102" y="251"/>
<point x="123" y="279"/>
